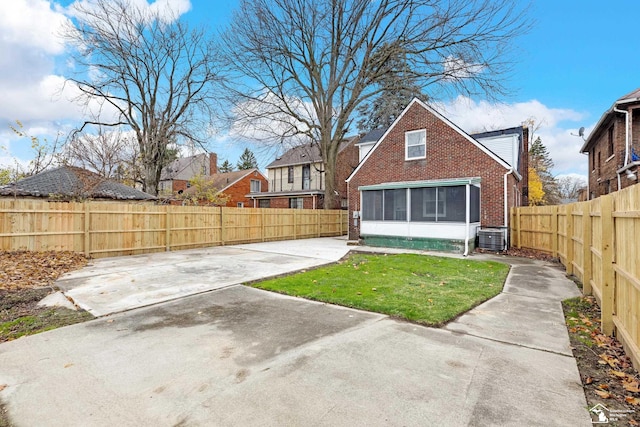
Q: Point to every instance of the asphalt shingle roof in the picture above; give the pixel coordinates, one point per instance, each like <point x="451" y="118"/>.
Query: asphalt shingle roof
<point x="305" y="153"/>
<point x="71" y="181"/>
<point x="220" y="181"/>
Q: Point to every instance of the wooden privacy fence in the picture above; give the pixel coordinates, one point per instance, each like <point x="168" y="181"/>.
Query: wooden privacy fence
<point x="103" y="229"/>
<point x="598" y="242"/>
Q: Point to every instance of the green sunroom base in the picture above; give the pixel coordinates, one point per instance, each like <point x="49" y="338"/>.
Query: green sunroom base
<point x="423" y="244"/>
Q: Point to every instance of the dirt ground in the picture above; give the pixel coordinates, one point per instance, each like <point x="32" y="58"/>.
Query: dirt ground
<point x="25" y="279"/>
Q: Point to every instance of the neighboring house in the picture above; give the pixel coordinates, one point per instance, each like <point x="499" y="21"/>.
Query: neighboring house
<point x="426" y="184"/>
<point x="176" y="175"/>
<point x="69" y="183"/>
<point x="240" y="186"/>
<point x="613" y="147"/>
<point x="297" y="178"/>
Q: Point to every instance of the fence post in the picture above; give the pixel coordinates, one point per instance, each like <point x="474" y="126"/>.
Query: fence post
<point x="295" y="223"/>
<point x="519" y="220"/>
<point x="318" y="222"/>
<point x="586" y="248"/>
<point x="608" y="272"/>
<point x="167" y="229"/>
<point x="87" y="230"/>
<point x="262" y="228"/>
<point x="222" y="225"/>
<point x="554" y="232"/>
<point x="569" y="239"/>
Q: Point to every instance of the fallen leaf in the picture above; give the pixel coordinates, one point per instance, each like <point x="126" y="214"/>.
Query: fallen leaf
<point x="588" y="380"/>
<point x="618" y="374"/>
<point x="632" y="400"/>
<point x="603" y="394"/>
<point x="633" y="422"/>
<point x="633" y="387"/>
<point x="68" y="365"/>
<point x="374" y="289"/>
<point x="603" y="386"/>
<point x="3" y="386"/>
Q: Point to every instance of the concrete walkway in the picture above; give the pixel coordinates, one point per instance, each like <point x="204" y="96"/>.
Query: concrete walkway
<point x="241" y="356"/>
<point x="113" y="285"/>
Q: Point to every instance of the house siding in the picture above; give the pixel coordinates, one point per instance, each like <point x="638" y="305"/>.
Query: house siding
<point x="449" y="155"/>
<point x="278" y="177"/>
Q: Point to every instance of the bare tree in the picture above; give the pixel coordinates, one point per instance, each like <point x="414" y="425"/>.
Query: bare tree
<point x="107" y="153"/>
<point x="46" y="152"/>
<point x="148" y="71"/>
<point x="302" y="67"/>
<point x="570" y="186"/>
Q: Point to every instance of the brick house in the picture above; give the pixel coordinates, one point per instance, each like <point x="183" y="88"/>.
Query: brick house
<point x="297" y="178"/>
<point x="613" y="147"/>
<point x="241" y="186"/>
<point x="426" y="184"/>
<point x="176" y="175"/>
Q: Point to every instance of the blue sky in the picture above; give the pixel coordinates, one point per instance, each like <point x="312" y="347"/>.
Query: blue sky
<point x="579" y="57"/>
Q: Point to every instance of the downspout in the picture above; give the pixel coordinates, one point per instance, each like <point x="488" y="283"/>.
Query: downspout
<point x="506" y="203"/>
<point x="467" y="219"/>
<point x="626" y="139"/>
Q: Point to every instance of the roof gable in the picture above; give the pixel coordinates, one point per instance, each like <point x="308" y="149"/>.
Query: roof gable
<point x="306" y="153"/>
<point x="223" y="181"/>
<point x="440" y="117"/>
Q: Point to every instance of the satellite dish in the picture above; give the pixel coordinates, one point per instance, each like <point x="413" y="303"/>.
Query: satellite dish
<point x="580" y="133"/>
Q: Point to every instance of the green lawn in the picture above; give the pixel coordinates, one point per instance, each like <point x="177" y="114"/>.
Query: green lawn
<point x="423" y="289"/>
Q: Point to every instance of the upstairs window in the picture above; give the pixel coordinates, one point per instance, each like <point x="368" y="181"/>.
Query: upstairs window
<point x="415" y="143"/>
<point x="610" y="143"/>
<point x="290" y="175"/>
<point x="255" y="186"/>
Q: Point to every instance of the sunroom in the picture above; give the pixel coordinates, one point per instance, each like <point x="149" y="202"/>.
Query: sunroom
<point x="439" y="215"/>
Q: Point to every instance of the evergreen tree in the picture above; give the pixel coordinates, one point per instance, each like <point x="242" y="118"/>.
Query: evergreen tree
<point x="540" y="161"/>
<point x="247" y="160"/>
<point x="395" y="87"/>
<point x="226" y="167"/>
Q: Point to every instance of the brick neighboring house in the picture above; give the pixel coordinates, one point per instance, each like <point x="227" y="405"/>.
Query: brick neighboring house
<point x="614" y="147"/>
<point x="241" y="186"/>
<point x="176" y="175"/>
<point x="426" y="184"/>
<point x="69" y="183"/>
<point x="297" y="180"/>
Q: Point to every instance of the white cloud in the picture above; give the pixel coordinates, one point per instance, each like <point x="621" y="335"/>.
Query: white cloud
<point x="31" y="24"/>
<point x="556" y="126"/>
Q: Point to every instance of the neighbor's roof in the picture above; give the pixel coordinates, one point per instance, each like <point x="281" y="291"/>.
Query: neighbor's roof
<point x="185" y="168"/>
<point x="222" y="181"/>
<point x="72" y="181"/>
<point x="372" y="137"/>
<point x="305" y="153"/>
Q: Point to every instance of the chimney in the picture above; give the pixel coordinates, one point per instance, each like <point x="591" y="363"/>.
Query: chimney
<point x="213" y="163"/>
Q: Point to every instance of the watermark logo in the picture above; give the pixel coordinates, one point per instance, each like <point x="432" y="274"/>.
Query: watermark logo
<point x="600" y="414"/>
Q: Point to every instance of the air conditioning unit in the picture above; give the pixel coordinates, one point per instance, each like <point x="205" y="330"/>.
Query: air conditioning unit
<point x="492" y="239"/>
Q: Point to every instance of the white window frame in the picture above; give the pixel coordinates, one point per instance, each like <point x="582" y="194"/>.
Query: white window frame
<point x="240" y="205"/>
<point x="407" y="136"/>
<point x="259" y="185"/>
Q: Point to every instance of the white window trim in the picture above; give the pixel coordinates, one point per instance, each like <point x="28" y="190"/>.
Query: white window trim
<point x="259" y="185"/>
<point x="406" y="144"/>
